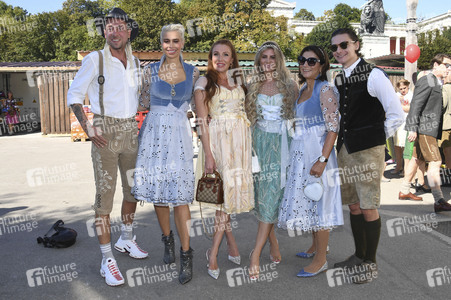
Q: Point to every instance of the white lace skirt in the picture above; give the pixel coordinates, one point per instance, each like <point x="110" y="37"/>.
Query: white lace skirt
<point x="164" y="172"/>
<point x="297" y="212"/>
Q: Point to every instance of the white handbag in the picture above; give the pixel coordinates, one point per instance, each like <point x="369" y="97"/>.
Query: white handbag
<point x="255" y="164"/>
<point x="314" y="191"/>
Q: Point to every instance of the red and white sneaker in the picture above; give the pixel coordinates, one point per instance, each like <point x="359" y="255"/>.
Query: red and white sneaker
<point x="131" y="247"/>
<point x="110" y="271"/>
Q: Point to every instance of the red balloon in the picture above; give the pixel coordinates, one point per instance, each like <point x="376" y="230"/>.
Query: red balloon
<point x="412" y="53"/>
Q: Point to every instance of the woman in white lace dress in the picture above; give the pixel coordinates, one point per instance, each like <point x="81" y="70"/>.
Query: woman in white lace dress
<point x="313" y="159"/>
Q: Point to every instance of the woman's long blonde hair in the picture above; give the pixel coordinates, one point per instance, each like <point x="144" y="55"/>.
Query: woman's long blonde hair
<point x="284" y="83"/>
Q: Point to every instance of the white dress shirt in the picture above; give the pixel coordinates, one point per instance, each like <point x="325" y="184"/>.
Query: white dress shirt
<point x="120" y="98"/>
<point x="379" y="86"/>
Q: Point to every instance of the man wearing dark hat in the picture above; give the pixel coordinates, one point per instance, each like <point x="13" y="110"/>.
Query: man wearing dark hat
<point x="111" y="79"/>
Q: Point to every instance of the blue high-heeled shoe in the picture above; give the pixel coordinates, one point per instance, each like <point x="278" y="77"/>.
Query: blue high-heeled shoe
<point x="304" y="274"/>
<point x="305" y="254"/>
<point x="310" y="255"/>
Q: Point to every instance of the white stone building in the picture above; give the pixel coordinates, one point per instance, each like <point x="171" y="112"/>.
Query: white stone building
<point x="393" y="41"/>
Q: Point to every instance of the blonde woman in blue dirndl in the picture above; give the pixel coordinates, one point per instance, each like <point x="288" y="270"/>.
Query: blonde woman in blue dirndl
<point x="164" y="172"/>
<point x="269" y="106"/>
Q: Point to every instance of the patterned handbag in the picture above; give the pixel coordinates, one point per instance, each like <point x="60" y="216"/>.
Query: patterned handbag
<point x="210" y="189"/>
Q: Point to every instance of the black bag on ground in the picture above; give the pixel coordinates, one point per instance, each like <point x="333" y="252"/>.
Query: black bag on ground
<point x="58" y="236"/>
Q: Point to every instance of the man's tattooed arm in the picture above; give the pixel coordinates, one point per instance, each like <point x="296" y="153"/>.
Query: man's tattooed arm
<point x="81" y="116"/>
<point x="94" y="133"/>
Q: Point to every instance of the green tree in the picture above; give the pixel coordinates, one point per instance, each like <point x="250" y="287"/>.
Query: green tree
<point x="74" y="20"/>
<point x="327" y="15"/>
<point x="79" y="11"/>
<point x="51" y="36"/>
<point x="151" y="16"/>
<point x="203" y="22"/>
<point x="322" y="33"/>
<point x="37" y="42"/>
<point x="351" y="14"/>
<point x="246" y="23"/>
<point x="12" y="11"/>
<point x="305" y="15"/>
<point x="432" y="43"/>
<point x="13" y="19"/>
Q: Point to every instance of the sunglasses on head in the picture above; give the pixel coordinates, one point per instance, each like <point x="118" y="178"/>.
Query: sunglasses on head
<point x="343" y="45"/>
<point x="311" y="61"/>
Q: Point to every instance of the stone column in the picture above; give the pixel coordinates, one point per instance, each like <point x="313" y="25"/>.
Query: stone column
<point x="411" y="38"/>
<point x="398" y="45"/>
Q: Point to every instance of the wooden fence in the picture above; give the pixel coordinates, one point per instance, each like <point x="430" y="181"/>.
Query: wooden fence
<point x="53" y="89"/>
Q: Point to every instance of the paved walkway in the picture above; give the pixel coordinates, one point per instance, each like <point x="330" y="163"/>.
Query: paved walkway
<point x="45" y="179"/>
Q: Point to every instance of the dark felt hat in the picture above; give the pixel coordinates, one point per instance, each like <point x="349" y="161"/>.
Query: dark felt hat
<point x="118" y="14"/>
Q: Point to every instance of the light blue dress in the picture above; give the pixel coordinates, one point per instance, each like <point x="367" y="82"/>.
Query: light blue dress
<point x="315" y="117"/>
<point x="270" y="141"/>
<point x="164" y="172"/>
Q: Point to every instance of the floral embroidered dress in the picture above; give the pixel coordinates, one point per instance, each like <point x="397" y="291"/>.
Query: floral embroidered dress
<point x="164" y="172"/>
<point x="230" y="142"/>
<point x="315" y="117"/>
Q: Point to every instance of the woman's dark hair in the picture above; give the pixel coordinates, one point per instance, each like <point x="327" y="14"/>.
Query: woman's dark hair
<point x="324" y="61"/>
<point x="352" y="35"/>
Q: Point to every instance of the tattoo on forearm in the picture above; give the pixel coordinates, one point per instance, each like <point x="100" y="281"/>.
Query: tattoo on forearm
<point x="81" y="116"/>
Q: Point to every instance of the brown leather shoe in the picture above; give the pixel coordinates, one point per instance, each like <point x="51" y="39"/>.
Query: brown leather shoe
<point x="442" y="206"/>
<point x="409" y="196"/>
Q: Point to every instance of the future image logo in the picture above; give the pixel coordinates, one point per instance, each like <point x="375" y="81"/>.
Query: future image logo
<point x="235" y="77"/>
<point x="240" y="276"/>
<point x="235" y="177"/>
<point x="406" y="225"/>
<point x="98" y="226"/>
<point x="48" y="275"/>
<point x="196" y="227"/>
<point x="439" y="276"/>
<point x="52" y="175"/>
<point x="358" y="273"/>
<point x="21" y="223"/>
<point x="207" y="25"/>
<point x="154" y="274"/>
<point x="194" y="27"/>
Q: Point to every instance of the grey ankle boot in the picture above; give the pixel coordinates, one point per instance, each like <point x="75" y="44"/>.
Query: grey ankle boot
<point x="186" y="265"/>
<point x="169" y="251"/>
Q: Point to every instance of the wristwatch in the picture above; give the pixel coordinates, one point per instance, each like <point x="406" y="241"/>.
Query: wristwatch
<point x="322" y="159"/>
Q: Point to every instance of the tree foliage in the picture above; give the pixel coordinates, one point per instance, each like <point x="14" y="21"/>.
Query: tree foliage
<point x="151" y="16"/>
<point x="351" y="14"/>
<point x="322" y="33"/>
<point x="432" y="43"/>
<point x="305" y="15"/>
<point x="56" y="36"/>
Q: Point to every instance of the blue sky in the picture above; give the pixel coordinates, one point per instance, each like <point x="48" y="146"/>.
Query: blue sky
<point x="395" y="8"/>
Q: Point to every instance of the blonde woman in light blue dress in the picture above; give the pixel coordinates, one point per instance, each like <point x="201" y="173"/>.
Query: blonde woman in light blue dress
<point x="269" y="105"/>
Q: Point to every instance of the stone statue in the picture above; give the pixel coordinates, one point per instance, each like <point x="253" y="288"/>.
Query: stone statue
<point x="372" y="20"/>
<point x="367" y="23"/>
